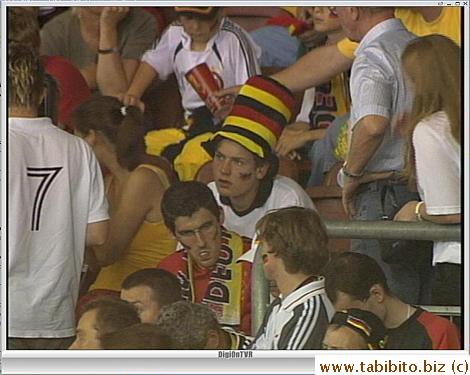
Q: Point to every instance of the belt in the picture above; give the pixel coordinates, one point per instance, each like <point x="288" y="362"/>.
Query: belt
<point x="390" y="176"/>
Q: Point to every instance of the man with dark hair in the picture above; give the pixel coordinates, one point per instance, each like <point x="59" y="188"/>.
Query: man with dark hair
<point x="149" y="290"/>
<point x="294" y="248"/>
<point x="194" y="326"/>
<point x="100" y="317"/>
<point x="355" y="280"/>
<point x="245" y="166"/>
<point x="205" y="264"/>
<point x="141" y="336"/>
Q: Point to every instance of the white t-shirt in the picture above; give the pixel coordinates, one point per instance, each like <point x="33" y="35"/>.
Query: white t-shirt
<point x="438" y="175"/>
<point x="55" y="188"/>
<point x="285" y="193"/>
<point x="230" y="54"/>
<point x="307" y="103"/>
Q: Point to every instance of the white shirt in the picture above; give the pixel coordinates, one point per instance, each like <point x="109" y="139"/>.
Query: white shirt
<point x="55" y="188"/>
<point x="285" y="193"/>
<point x="230" y="54"/>
<point x="378" y="88"/>
<point x="438" y="175"/>
<point x="307" y="102"/>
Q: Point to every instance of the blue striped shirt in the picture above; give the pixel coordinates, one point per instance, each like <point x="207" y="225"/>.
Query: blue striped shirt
<point x="378" y="88"/>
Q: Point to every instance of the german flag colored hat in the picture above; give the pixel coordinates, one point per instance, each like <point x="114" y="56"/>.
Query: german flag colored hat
<point x="367" y="324"/>
<point x="198" y="10"/>
<point x="260" y="112"/>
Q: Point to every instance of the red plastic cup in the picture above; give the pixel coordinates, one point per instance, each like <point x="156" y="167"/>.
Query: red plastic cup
<point x="204" y="83"/>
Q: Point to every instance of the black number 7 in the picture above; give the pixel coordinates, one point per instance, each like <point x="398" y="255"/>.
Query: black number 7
<point x="48" y="175"/>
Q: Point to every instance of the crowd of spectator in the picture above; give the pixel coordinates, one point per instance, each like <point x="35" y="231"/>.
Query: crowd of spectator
<point x="125" y="238"/>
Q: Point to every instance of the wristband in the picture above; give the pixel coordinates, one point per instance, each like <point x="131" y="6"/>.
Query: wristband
<point x="351" y="175"/>
<point x="107" y="51"/>
<point x="417" y="214"/>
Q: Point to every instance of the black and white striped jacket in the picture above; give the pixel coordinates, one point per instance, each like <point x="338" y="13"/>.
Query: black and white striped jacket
<point x="298" y="321"/>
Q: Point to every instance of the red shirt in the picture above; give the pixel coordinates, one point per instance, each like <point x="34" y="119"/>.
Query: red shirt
<point x="176" y="263"/>
<point x="73" y="89"/>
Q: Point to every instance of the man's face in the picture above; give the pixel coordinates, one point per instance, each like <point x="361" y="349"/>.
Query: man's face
<point x="142" y="297"/>
<point x="271" y="261"/>
<point x="324" y="20"/>
<point x="345" y="301"/>
<point x="200" y="30"/>
<point x="87" y="332"/>
<point x="346" y="16"/>
<point x="235" y="171"/>
<point x="200" y="236"/>
<point x="343" y="338"/>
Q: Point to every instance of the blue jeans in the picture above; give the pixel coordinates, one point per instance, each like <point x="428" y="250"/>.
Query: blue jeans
<point x="380" y="200"/>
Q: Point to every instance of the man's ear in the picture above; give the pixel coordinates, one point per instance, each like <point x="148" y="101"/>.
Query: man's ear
<point x="377" y="292"/>
<point x="212" y="339"/>
<point x="261" y="171"/>
<point x="355" y="12"/>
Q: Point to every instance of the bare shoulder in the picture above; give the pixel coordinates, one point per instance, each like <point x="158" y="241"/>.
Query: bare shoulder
<point x="147" y="177"/>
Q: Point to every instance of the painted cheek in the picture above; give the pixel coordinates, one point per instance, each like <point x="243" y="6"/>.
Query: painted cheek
<point x="245" y="176"/>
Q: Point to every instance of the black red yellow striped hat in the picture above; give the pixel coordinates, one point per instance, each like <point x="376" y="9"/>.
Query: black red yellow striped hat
<point x="198" y="10"/>
<point x="367" y="324"/>
<point x="260" y="112"/>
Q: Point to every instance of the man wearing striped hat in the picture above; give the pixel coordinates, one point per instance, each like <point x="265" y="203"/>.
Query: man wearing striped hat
<point x="245" y="167"/>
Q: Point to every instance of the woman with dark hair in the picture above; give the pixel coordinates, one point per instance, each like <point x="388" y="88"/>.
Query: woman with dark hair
<point x="135" y="185"/>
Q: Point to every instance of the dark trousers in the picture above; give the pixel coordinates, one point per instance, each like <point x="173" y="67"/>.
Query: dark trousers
<point x="446" y="284"/>
<point x="380" y="200"/>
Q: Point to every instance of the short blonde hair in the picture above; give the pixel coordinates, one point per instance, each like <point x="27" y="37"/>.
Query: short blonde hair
<point x="26" y="76"/>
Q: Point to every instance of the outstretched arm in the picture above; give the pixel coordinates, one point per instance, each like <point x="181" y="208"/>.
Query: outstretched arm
<point x="142" y="79"/>
<point x="315" y="68"/>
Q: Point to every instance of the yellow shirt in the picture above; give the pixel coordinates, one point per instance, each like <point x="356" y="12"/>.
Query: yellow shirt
<point x="151" y="243"/>
<point x="447" y="24"/>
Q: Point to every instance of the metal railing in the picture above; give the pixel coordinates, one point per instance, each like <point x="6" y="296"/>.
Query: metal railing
<point x="352" y="229"/>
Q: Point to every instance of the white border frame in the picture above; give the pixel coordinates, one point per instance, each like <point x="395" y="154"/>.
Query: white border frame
<point x="208" y="362"/>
